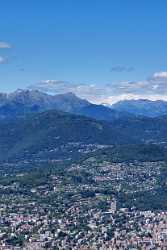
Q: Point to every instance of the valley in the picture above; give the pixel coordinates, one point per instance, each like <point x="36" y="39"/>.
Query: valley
<point x="75" y="180"/>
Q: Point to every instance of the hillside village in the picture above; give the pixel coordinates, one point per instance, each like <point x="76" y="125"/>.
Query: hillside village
<point x="88" y="205"/>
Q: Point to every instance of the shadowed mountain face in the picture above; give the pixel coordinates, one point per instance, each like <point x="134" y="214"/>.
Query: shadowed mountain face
<point x="142" y="107"/>
<point x="100" y="112"/>
<point x="22" y="102"/>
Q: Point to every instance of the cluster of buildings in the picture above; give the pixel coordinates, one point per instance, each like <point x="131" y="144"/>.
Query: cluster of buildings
<point x="75" y="211"/>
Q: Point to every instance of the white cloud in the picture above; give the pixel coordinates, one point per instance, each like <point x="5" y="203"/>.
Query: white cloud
<point x="5" y="45"/>
<point x="160" y="75"/>
<point x="154" y="88"/>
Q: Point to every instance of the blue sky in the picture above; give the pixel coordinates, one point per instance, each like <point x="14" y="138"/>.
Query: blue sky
<point x="93" y="42"/>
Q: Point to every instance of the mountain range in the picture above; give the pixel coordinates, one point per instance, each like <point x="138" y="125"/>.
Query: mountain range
<point x="35" y="125"/>
<point x="22" y="102"/>
<point x="142" y="107"/>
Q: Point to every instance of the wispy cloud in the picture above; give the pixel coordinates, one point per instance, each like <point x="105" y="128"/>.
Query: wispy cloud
<point x="90" y="92"/>
<point x="153" y="88"/>
<point x="121" y="68"/>
<point x="5" y="45"/>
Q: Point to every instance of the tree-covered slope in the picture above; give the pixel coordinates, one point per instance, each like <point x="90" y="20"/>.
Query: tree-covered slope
<point x="50" y="131"/>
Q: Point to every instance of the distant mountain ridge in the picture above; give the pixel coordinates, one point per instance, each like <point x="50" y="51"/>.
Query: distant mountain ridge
<point x="142" y="107"/>
<point x="22" y="102"/>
